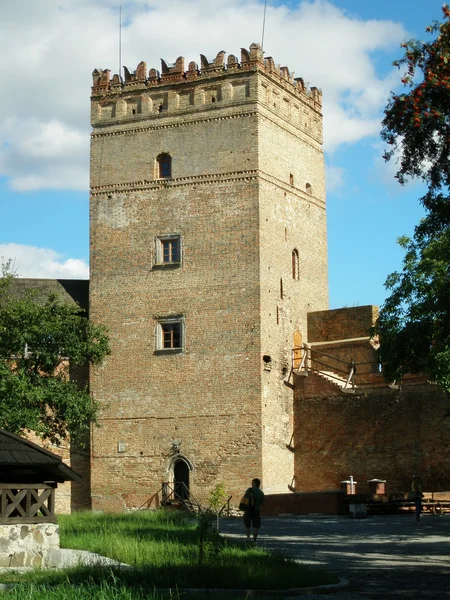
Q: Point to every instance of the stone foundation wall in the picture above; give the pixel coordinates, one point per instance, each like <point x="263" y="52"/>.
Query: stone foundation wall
<point x="29" y="545"/>
<point x="325" y="503"/>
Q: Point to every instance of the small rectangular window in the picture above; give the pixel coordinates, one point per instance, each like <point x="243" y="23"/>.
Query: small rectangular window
<point x="171" y="250"/>
<point x="168" y="250"/>
<point x="169" y="333"/>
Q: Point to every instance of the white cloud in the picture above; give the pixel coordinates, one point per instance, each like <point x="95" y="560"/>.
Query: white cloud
<point x="335" y="178"/>
<point x="43" y="263"/>
<point x="50" y="49"/>
<point x="44" y="155"/>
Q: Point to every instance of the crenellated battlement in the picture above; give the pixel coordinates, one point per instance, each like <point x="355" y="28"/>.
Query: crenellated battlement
<point x="152" y="92"/>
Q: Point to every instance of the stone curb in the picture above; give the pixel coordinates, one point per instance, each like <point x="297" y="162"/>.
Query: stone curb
<point x="305" y="591"/>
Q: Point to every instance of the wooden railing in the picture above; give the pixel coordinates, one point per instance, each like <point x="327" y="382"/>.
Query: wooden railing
<point x="173" y="492"/>
<point x="227" y="507"/>
<point x="27" y="503"/>
<point x="306" y="359"/>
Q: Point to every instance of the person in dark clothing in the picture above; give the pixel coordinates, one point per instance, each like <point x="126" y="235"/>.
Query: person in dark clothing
<point x="416" y="489"/>
<point x="252" y="516"/>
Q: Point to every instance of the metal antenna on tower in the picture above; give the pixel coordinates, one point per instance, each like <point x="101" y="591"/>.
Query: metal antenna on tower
<point x="120" y="42"/>
<point x="263" y="27"/>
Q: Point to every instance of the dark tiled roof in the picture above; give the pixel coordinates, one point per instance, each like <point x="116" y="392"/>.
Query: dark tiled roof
<point x="72" y="291"/>
<point x="21" y="461"/>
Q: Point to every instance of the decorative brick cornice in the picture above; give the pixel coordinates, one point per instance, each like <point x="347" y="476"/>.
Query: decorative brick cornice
<point x="196" y="180"/>
<point x="159" y="184"/>
<point x="271" y="115"/>
<point x="173" y="125"/>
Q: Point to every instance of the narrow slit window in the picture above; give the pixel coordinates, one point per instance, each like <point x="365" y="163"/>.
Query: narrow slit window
<point x="295" y="264"/>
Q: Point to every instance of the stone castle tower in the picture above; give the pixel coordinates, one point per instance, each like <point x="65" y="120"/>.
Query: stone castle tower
<point x="208" y="249"/>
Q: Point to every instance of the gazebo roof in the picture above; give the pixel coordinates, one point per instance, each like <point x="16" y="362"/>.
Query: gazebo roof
<point x="21" y="461"/>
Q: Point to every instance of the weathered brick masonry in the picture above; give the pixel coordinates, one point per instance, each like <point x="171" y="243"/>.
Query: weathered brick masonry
<point x="246" y="190"/>
<point x="378" y="433"/>
<point x="340" y="337"/>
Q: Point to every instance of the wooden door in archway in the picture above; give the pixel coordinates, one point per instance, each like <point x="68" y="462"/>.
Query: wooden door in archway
<point x="298" y="350"/>
<point x="181" y="479"/>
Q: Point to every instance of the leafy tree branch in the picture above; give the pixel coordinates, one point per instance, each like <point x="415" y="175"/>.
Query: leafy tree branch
<point x="414" y="323"/>
<point x="41" y="347"/>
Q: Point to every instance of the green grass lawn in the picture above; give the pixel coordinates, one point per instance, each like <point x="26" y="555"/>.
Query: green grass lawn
<point x="162" y="548"/>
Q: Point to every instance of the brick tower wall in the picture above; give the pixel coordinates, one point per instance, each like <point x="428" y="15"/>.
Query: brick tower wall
<point x="207" y="402"/>
<point x="206" y="397"/>
<point x="292" y="218"/>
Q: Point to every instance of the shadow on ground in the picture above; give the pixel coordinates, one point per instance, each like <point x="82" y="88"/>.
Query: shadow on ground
<point x="382" y="556"/>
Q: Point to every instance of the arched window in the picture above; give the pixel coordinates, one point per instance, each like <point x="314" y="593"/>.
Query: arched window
<point x="295" y="264"/>
<point x="164" y="165"/>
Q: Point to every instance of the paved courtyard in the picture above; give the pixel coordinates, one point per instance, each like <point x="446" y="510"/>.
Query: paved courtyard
<point x="382" y="556"/>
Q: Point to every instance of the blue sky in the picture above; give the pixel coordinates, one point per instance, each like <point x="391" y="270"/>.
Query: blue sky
<point x="344" y="47"/>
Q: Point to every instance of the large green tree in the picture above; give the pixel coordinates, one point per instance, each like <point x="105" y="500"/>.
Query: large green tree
<point x="414" y="322"/>
<point x="42" y="346"/>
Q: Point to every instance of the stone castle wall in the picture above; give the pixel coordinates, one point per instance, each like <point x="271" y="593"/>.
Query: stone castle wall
<point x="341" y="323"/>
<point x="341" y="337"/>
<point x="380" y="433"/>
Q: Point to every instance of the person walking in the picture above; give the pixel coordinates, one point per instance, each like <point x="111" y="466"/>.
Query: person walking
<point x="252" y="516"/>
<point x="416" y="489"/>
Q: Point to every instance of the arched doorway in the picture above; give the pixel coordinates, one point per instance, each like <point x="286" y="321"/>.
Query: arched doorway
<point x="181" y="479"/>
<point x="298" y="350"/>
